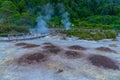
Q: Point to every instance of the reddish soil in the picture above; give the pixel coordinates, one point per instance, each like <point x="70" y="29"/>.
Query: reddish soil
<point x="102" y="61"/>
<point x="26" y="45"/>
<point x="76" y="47"/>
<point x="32" y="58"/>
<point x="73" y="54"/>
<point x="105" y="49"/>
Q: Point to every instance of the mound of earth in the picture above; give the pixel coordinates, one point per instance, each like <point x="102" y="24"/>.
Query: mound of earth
<point x="105" y="49"/>
<point x="102" y="61"/>
<point x="21" y="44"/>
<point x="47" y="43"/>
<point x="51" y="48"/>
<point x="26" y="45"/>
<point x="76" y="47"/>
<point x="73" y="54"/>
<point x="32" y="58"/>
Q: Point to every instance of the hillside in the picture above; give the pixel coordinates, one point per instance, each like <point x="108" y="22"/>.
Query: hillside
<point x="82" y="13"/>
<point x="18" y="16"/>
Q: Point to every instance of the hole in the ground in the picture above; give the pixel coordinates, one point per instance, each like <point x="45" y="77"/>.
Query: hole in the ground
<point x="106" y="49"/>
<point x="103" y="61"/>
<point x="73" y="54"/>
<point x="77" y="47"/>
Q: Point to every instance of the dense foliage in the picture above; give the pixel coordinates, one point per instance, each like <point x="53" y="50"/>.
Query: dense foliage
<point x="101" y="14"/>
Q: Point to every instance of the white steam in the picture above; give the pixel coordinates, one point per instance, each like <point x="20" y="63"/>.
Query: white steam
<point x="47" y="12"/>
<point x="42" y="26"/>
<point x="65" y="20"/>
<point x="65" y="16"/>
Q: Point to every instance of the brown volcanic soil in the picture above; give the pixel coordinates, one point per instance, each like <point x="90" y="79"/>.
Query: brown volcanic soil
<point x="47" y="43"/>
<point x="21" y="44"/>
<point x="51" y="48"/>
<point x="73" y="54"/>
<point x="76" y="47"/>
<point x="105" y="49"/>
<point x="32" y="58"/>
<point x="26" y="45"/>
<point x="31" y="46"/>
<point x="102" y="61"/>
<point x="54" y="50"/>
<point x="47" y="46"/>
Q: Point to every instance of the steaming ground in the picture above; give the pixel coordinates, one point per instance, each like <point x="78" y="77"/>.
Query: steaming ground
<point x="58" y="66"/>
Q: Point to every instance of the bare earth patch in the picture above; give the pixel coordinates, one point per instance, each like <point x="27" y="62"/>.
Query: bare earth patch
<point x="26" y="45"/>
<point x="21" y="44"/>
<point x="102" y="61"/>
<point x="115" y="40"/>
<point x="76" y="47"/>
<point x="47" y="46"/>
<point x="47" y="43"/>
<point x="73" y="54"/>
<point x="51" y="48"/>
<point x="33" y="58"/>
<point x="105" y="49"/>
<point x="113" y="45"/>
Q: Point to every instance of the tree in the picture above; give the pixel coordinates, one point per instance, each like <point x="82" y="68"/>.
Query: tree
<point x="7" y="9"/>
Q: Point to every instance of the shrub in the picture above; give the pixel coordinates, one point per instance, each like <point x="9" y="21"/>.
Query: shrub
<point x="98" y="36"/>
<point x="13" y="28"/>
<point x="90" y="25"/>
<point x="110" y="34"/>
<point x="3" y="34"/>
<point x="91" y="34"/>
<point x="115" y="27"/>
<point x="20" y="29"/>
<point x="104" y="19"/>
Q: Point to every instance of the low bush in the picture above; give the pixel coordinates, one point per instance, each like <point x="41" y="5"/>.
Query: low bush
<point x="91" y="34"/>
<point x="12" y="29"/>
<point x="107" y="19"/>
<point x="6" y="29"/>
<point x="110" y="34"/>
<point x="90" y="25"/>
<point x="3" y="34"/>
